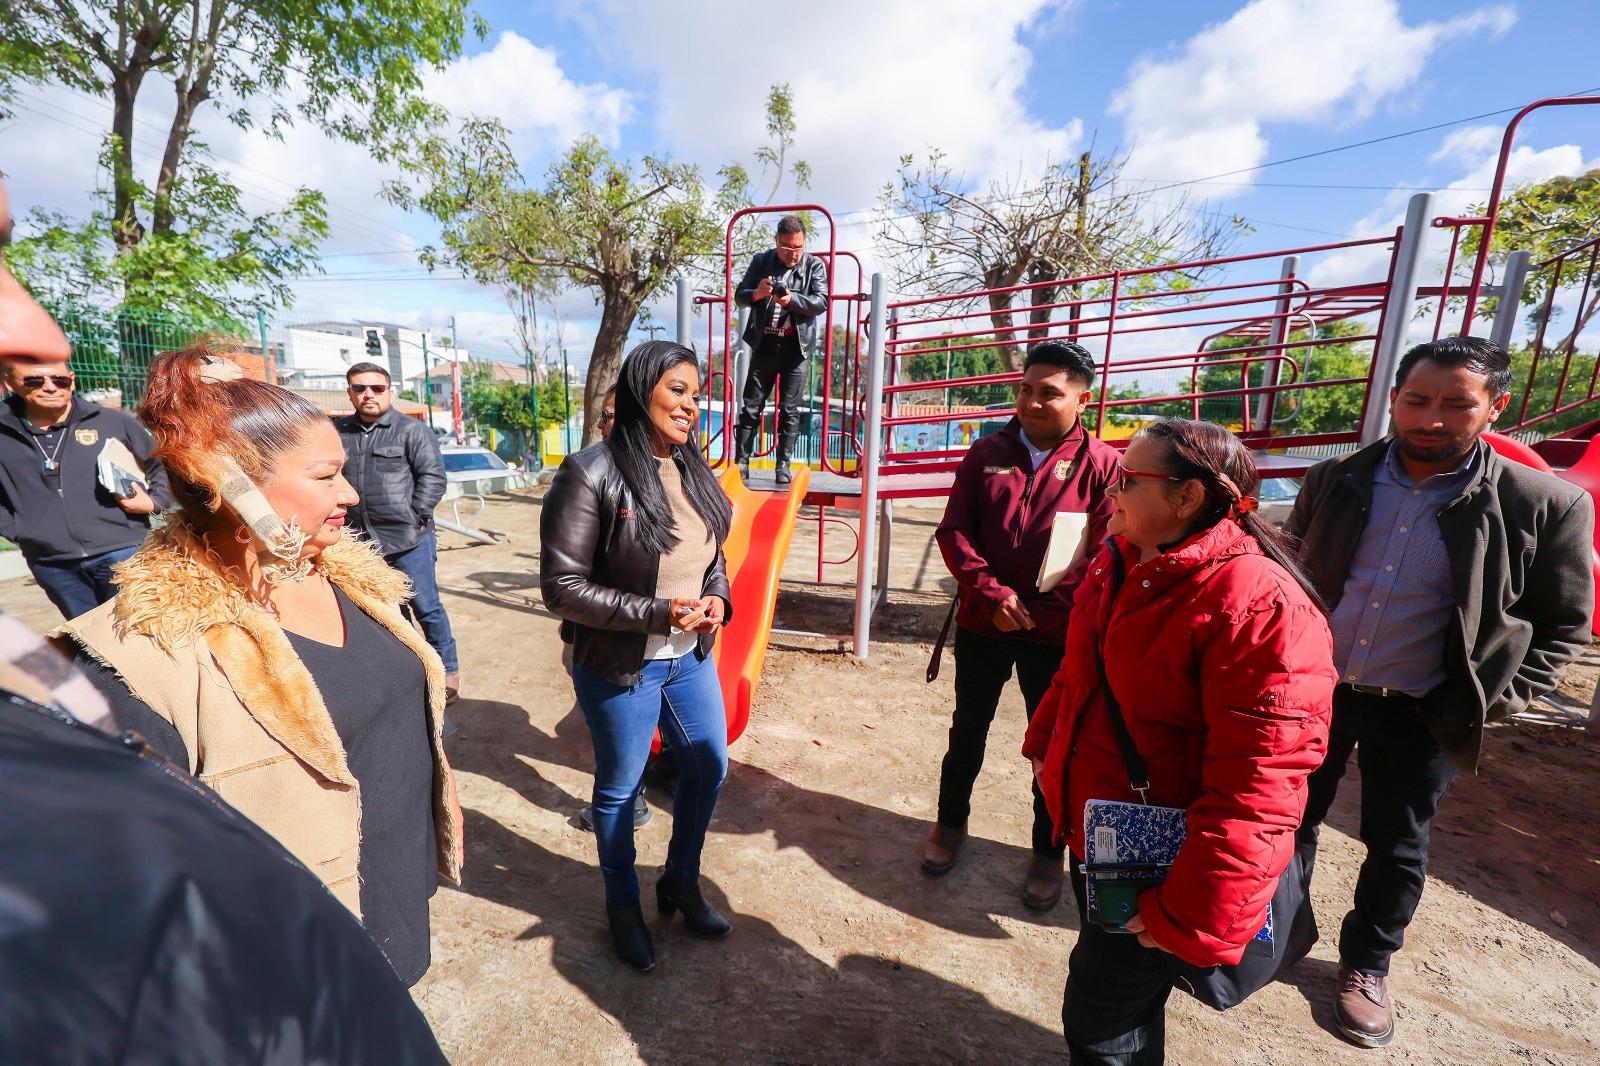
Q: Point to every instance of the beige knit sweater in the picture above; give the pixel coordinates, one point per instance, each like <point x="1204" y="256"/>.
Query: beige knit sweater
<point x="682" y="572"/>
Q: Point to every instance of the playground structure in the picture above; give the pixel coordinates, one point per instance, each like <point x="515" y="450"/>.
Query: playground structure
<point x="1152" y="329"/>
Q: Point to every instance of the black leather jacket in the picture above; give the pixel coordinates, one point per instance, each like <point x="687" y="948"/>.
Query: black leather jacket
<point x="398" y="470"/>
<point x="596" y="576"/>
<point x="808" y="287"/>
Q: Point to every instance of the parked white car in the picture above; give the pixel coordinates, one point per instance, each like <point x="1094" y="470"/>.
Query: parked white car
<point x="478" y="471"/>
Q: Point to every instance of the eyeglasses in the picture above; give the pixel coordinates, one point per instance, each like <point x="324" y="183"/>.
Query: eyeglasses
<point x="376" y="390"/>
<point x="36" y="381"/>
<point x="1125" y="474"/>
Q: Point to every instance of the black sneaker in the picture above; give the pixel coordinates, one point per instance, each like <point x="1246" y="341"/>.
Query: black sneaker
<point x="783" y="477"/>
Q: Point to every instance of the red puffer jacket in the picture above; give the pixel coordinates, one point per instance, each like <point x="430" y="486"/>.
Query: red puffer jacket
<point x="1223" y="667"/>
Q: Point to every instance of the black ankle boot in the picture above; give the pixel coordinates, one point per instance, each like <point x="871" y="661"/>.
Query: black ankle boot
<point x="630" y="937"/>
<point x="701" y="917"/>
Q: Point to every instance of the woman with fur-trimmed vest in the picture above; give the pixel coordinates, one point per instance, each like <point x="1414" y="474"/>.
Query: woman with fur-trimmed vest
<point x="253" y="643"/>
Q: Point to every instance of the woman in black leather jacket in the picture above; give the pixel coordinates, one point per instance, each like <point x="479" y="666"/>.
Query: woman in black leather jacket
<point x="631" y="554"/>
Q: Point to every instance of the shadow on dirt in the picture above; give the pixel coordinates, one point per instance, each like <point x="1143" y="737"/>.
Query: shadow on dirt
<point x="1520" y="836"/>
<point x="756" y="996"/>
<point x="874" y="851"/>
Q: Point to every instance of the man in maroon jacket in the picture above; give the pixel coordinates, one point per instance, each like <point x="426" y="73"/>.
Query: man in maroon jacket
<point x="994" y="535"/>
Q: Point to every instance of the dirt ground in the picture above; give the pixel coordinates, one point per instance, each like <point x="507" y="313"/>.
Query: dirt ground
<point x="843" y="951"/>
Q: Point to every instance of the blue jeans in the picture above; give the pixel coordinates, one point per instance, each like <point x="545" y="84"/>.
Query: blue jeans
<point x="683" y="697"/>
<point x="417" y="563"/>
<point x="78" y="586"/>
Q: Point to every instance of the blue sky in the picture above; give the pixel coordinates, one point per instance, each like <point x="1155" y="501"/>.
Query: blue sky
<point x="1187" y="90"/>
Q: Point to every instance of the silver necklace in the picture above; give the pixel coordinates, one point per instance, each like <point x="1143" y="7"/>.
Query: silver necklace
<point x="49" y="457"/>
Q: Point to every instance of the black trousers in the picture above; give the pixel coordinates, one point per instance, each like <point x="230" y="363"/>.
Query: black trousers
<point x="1114" y="1009"/>
<point x="1404" y="775"/>
<point x="983" y="666"/>
<point x="778" y="362"/>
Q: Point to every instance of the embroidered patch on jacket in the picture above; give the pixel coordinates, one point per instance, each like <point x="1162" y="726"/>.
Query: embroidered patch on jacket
<point x="998" y="469"/>
<point x="1063" y="469"/>
<point x="86" y="436"/>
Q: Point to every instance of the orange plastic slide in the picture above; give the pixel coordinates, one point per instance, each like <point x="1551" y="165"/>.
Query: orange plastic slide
<point x="758" y="542"/>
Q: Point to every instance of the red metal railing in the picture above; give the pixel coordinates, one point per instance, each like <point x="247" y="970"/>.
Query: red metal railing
<point x="1573" y="270"/>
<point x="730" y="314"/>
<point x="1150" y="327"/>
<point x="1492" y="215"/>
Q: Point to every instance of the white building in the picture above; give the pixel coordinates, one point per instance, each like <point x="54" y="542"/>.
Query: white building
<point x="318" y="353"/>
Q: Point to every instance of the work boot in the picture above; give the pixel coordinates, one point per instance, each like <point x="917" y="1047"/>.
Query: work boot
<point x="1362" y="1009"/>
<point x="641" y="815"/>
<point x="744" y="471"/>
<point x="452" y="688"/>
<point x="1041" y="886"/>
<point x="782" y="477"/>
<point x="940" y="851"/>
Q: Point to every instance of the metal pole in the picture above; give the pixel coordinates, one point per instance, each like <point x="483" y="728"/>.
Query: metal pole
<point x="1397" y="314"/>
<point x="685" y="315"/>
<point x="1268" y="400"/>
<point x="533" y="394"/>
<point x="566" y="405"/>
<point x="268" y="366"/>
<point x="427" y="381"/>
<point x="741" y="358"/>
<point x="1510" y="299"/>
<point x="872" y="448"/>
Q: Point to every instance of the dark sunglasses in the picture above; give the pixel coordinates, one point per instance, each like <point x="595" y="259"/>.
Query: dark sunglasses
<point x="1124" y="474"/>
<point x="36" y="381"/>
<point x="378" y="390"/>
<point x="606" y="418"/>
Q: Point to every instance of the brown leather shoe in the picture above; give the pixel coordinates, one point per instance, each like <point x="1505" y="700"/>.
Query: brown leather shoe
<point x="939" y="853"/>
<point x="1362" y="1008"/>
<point x="1041" y="887"/>
<point x="452" y="688"/>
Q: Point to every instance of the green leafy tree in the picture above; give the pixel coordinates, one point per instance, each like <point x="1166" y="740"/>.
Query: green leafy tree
<point x="1544" y="219"/>
<point x="599" y="222"/>
<point x="180" y="234"/>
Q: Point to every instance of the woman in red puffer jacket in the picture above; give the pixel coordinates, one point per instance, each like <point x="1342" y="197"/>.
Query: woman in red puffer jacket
<point x="1221" y="659"/>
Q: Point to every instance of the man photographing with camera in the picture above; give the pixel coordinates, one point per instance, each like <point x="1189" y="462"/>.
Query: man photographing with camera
<point x="786" y="291"/>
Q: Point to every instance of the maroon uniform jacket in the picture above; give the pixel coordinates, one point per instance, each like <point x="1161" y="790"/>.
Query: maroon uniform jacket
<point x="996" y="526"/>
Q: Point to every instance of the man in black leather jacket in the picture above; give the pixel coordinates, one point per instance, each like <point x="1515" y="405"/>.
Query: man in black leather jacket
<point x="787" y="293"/>
<point x="394" y="463"/>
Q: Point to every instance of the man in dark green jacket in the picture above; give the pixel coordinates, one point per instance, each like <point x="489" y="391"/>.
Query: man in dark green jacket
<point x="1459" y="585"/>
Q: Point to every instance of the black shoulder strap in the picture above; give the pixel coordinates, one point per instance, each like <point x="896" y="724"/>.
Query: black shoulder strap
<point x="1138" y="774"/>
<point x="944" y="635"/>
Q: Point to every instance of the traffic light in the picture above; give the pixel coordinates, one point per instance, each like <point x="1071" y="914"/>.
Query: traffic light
<point x="374" y="345"/>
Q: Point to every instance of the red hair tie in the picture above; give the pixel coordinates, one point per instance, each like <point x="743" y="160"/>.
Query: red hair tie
<point x="1244" y="505"/>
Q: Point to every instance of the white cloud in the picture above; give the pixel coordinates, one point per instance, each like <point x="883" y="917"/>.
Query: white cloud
<point x="1202" y="110"/>
<point x="1474" y="151"/>
<point x="870" y="81"/>
<point x="523" y="86"/>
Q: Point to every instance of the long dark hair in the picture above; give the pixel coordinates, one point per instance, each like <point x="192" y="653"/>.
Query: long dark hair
<point x="631" y="442"/>
<point x="1205" y="452"/>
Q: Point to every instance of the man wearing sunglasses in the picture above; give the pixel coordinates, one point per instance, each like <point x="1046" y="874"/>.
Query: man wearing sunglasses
<point x="994" y="536"/>
<point x="71" y="529"/>
<point x="395" y="465"/>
